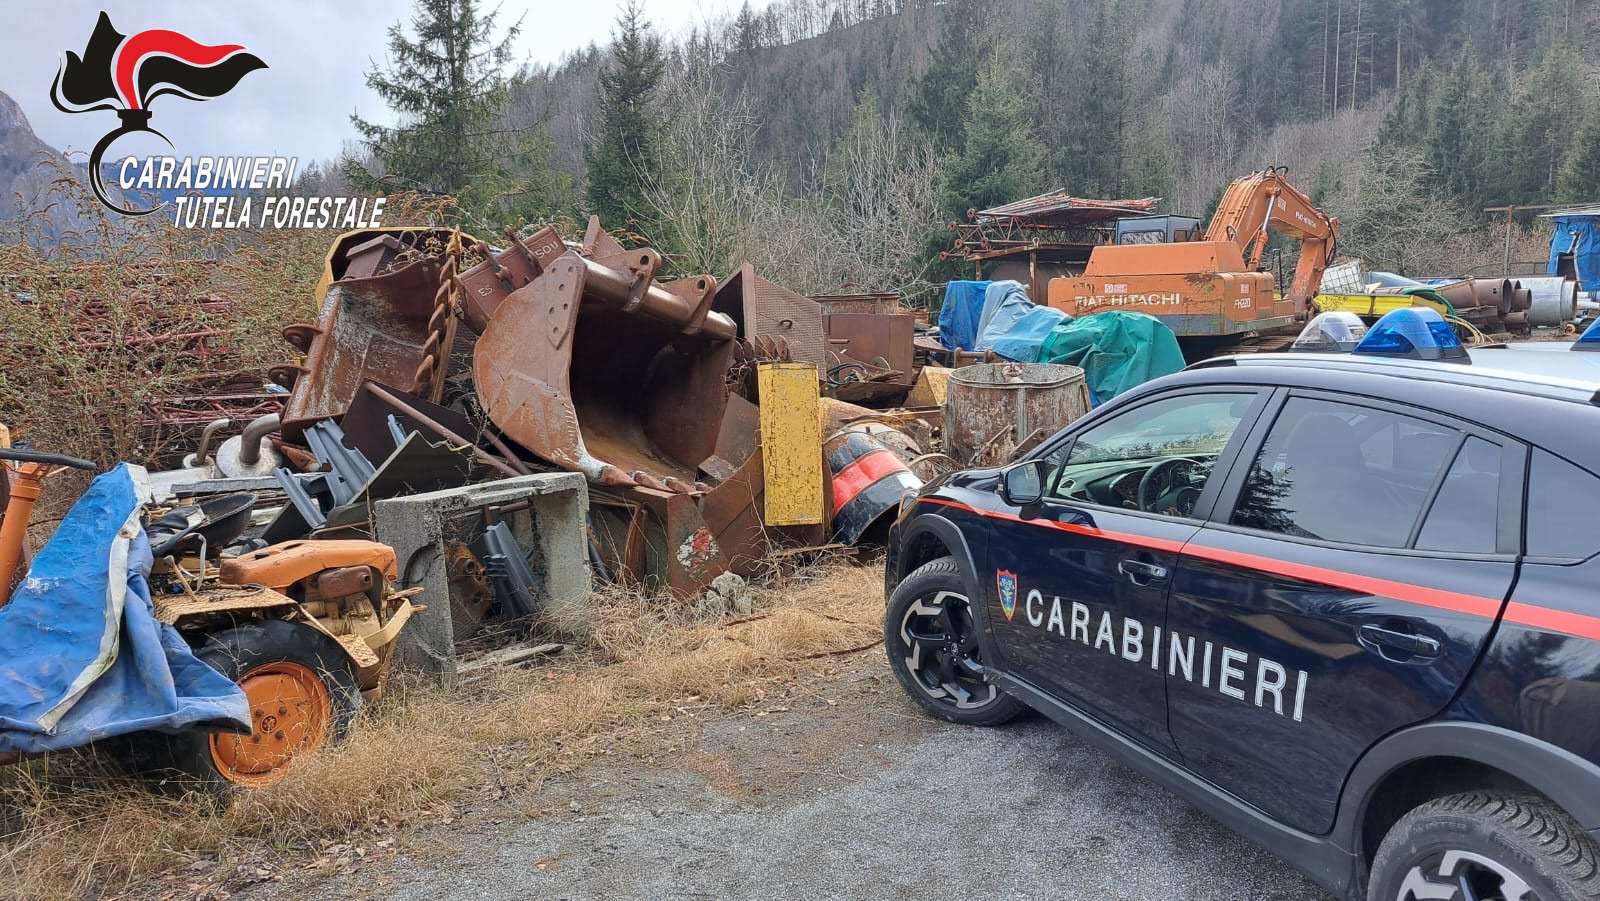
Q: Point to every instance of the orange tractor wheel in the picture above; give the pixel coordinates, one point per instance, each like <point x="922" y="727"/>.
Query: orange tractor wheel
<point x="290" y="710"/>
<point x="303" y="695"/>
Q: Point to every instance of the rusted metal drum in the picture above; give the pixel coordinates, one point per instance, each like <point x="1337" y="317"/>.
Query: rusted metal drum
<point x="868" y="482"/>
<point x="991" y="408"/>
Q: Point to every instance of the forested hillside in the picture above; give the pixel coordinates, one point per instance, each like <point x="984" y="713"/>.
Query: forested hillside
<point x="827" y="121"/>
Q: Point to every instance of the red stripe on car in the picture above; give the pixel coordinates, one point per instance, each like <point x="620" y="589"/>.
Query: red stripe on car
<point x="1545" y="618"/>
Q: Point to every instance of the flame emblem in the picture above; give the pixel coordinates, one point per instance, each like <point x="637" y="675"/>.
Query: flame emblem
<point x="126" y="73"/>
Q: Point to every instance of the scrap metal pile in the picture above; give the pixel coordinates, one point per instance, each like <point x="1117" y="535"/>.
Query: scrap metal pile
<point x="1490" y="305"/>
<point x="717" y="425"/>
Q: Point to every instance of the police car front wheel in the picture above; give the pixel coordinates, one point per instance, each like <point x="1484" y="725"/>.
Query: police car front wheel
<point x="932" y="643"/>
<point x="1485" y="845"/>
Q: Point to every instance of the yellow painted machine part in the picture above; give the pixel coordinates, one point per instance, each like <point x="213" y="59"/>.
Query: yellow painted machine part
<point x="791" y="443"/>
<point x="931" y="387"/>
<point x="1375" y="304"/>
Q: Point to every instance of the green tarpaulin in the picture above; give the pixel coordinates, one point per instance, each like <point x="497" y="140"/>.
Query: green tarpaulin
<point x="1116" y="350"/>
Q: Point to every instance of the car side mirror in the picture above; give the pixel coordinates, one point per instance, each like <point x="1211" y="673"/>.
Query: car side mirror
<point x="1022" y="484"/>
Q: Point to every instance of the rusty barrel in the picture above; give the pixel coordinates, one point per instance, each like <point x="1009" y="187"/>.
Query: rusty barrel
<point x="868" y="482"/>
<point x="990" y="408"/>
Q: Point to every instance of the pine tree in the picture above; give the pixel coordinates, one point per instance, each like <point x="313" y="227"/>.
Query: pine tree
<point x="624" y="153"/>
<point x="939" y="98"/>
<point x="1542" y="124"/>
<point x="1001" y="160"/>
<point x="1580" y="173"/>
<point x="448" y="88"/>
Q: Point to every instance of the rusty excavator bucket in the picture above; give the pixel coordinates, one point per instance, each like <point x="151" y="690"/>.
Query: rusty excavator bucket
<point x="385" y="316"/>
<point x="594" y="365"/>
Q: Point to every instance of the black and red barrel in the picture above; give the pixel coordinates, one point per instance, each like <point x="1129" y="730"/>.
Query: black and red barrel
<point x="868" y="482"/>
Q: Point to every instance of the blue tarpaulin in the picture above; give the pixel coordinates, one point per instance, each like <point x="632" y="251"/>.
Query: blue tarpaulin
<point x="958" y="315"/>
<point x="82" y="656"/>
<point x="1117" y="350"/>
<point x="1578" y="235"/>
<point x="1028" y="334"/>
<point x="1004" y="302"/>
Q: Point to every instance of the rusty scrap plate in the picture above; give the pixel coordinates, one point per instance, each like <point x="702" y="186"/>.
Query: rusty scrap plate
<point x="765" y="310"/>
<point x="369" y="328"/>
<point x="882" y="340"/>
<point x="216" y="598"/>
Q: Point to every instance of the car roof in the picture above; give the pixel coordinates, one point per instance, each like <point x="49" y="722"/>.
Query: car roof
<point x="1545" y="369"/>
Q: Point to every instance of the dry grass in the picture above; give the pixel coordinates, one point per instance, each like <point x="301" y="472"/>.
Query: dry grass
<point x="69" y="826"/>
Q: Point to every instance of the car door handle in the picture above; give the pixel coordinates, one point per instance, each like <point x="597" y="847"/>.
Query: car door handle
<point x="1142" y="573"/>
<point x="1405" y="642"/>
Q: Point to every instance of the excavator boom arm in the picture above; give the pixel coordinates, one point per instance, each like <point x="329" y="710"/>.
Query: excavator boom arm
<point x="1265" y="202"/>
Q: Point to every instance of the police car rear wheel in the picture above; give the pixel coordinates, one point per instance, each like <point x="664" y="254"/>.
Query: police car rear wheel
<point x="932" y="644"/>
<point x="1485" y="845"/>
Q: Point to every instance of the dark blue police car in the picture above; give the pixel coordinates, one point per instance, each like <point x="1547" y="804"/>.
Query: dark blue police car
<point x="1348" y="604"/>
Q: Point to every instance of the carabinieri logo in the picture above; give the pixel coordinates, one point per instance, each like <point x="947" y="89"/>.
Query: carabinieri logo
<point x="1006" y="582"/>
<point x="125" y="74"/>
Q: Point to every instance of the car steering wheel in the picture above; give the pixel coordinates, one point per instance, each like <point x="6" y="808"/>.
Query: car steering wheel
<point x="1149" y="479"/>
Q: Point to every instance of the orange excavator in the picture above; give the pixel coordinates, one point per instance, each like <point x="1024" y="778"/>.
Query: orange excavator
<point x="1212" y="292"/>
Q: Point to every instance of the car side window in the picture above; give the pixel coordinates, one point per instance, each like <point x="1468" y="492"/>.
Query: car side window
<point x="1345" y="473"/>
<point x="1562" y="499"/>
<point x="1155" y="457"/>
<point x="1466" y="512"/>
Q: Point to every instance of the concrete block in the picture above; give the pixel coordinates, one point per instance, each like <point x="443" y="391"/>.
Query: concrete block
<point x="417" y="527"/>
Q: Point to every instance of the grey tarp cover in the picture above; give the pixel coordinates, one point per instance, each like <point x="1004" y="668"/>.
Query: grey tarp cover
<point x="1003" y="304"/>
<point x="82" y="656"/>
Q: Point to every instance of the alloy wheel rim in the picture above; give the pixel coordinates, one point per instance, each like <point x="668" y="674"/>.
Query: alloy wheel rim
<point x="1456" y="875"/>
<point x="941" y="645"/>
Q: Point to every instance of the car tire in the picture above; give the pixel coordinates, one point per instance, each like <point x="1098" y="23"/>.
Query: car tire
<point x="932" y="643"/>
<point x="1501" y="845"/>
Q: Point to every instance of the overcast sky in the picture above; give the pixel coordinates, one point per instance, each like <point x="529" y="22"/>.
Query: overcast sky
<point x="318" y="54"/>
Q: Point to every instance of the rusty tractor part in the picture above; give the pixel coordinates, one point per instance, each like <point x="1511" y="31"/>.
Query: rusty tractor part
<point x="597" y="367"/>
<point x="993" y="408"/>
<point x="343" y="589"/>
<point x="281" y="566"/>
<point x="305" y="628"/>
<point x="485" y="285"/>
<point x="470" y="593"/>
<point x="378" y="319"/>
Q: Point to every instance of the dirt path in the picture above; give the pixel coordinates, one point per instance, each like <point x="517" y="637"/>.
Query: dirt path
<point x="841" y="790"/>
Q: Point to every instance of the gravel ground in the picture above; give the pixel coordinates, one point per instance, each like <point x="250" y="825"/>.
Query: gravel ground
<point x="848" y="793"/>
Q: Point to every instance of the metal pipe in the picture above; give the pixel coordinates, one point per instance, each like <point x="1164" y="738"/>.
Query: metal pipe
<point x="250" y="445"/>
<point x="478" y="452"/>
<point x="617" y="288"/>
<point x="25" y="482"/>
<point x="202" y="452"/>
<point x="506" y="452"/>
